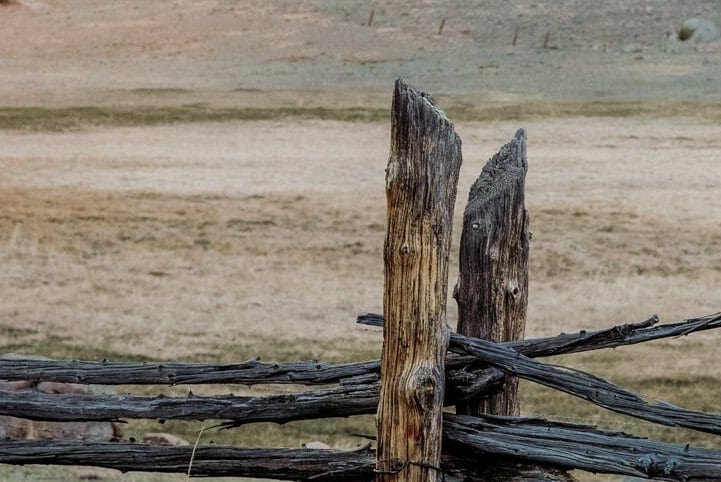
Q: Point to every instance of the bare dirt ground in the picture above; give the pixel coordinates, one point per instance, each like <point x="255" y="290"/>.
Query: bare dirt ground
<point x="229" y="240"/>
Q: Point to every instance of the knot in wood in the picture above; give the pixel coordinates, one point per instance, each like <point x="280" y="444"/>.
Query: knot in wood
<point x="425" y="388"/>
<point x="513" y="289"/>
<point x="406" y="250"/>
<point x="391" y="466"/>
<point x="646" y="462"/>
<point x="493" y="253"/>
<point x="670" y="465"/>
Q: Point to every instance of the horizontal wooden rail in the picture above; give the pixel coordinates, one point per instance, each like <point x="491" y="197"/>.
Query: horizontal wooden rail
<point x="353" y="397"/>
<point x="249" y="373"/>
<point x="208" y="461"/>
<point x="619" y="335"/>
<point x="501" y="438"/>
<point x="252" y="372"/>
<point x="342" y="401"/>
<point x="314" y="373"/>
<point x="586" y="386"/>
<point x="580" y="447"/>
<point x="345" y="400"/>
<point x="358" y="394"/>
<point x="512" y="358"/>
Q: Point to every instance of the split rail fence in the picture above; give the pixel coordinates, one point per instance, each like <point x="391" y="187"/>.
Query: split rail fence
<point x="424" y="365"/>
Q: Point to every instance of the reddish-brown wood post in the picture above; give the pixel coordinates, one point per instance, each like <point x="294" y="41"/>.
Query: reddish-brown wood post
<point x="421" y="179"/>
<point x="492" y="289"/>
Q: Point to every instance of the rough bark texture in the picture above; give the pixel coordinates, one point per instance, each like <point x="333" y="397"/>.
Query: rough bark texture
<point x="619" y="335"/>
<point x="175" y="373"/>
<point x="351" y="398"/>
<point x="573" y="446"/>
<point x="315" y="373"/>
<point x="33" y="372"/>
<point x="615" y="336"/>
<point x="421" y="178"/>
<point x="283" y="464"/>
<point x="472" y="445"/>
<point x="492" y="290"/>
<point x="586" y="386"/>
<point x="354" y="397"/>
<point x="512" y="357"/>
<point x="342" y="401"/>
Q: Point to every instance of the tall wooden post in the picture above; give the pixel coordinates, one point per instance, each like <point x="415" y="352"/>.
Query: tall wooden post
<point x="492" y="290"/>
<point x="421" y="179"/>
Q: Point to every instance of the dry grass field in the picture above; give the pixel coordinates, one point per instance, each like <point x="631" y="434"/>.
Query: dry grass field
<point x="205" y="182"/>
<point x="264" y="238"/>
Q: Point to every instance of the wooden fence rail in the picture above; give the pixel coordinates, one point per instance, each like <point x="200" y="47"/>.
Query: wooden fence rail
<point x="613" y="337"/>
<point x="511" y="359"/>
<point x="285" y="464"/>
<point x="252" y="372"/>
<point x="314" y="373"/>
<point x="588" y="387"/>
<point x="342" y="401"/>
<point x="359" y="395"/>
<point x="531" y="440"/>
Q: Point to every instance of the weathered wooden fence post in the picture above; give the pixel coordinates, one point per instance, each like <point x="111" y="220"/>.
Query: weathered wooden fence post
<point x="421" y="179"/>
<point x="492" y="290"/>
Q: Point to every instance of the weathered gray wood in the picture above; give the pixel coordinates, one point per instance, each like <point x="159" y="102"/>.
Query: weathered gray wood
<point x="472" y="383"/>
<point x="352" y="397"/>
<point x="485" y="440"/>
<point x="578" y="447"/>
<point x="421" y="179"/>
<point x="492" y="289"/>
<point x="252" y="372"/>
<point x="481" y="467"/>
<point x="584" y="385"/>
<point x="314" y="373"/>
<point x="47" y="407"/>
<point x="619" y="335"/>
<point x="283" y="464"/>
<point x="249" y="373"/>
<point x="342" y="401"/>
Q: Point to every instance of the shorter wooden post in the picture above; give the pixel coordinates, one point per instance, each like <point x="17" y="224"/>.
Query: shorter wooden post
<point x="421" y="179"/>
<point x="492" y="290"/>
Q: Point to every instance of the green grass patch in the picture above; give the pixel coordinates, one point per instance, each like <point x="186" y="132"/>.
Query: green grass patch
<point x="73" y="118"/>
<point x="82" y="117"/>
<point x="15" y="332"/>
<point x="617" y="109"/>
<point x="61" y="348"/>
